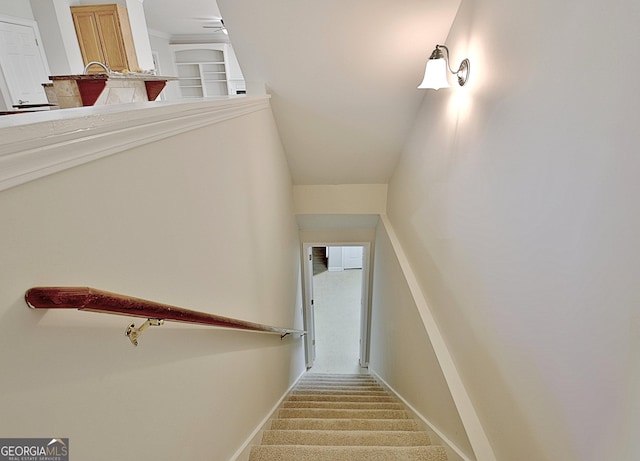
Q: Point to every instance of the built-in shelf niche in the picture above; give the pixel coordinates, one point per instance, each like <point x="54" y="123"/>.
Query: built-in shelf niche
<point x="202" y="69"/>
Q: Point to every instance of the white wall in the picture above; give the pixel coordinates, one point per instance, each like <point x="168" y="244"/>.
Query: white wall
<point x="58" y="35"/>
<point x="160" y="44"/>
<point x="202" y="220"/>
<point x="234" y="72"/>
<point x="140" y="34"/>
<point x="401" y="352"/>
<point x="337" y="236"/>
<point x="340" y="199"/>
<point x="18" y="9"/>
<point x="515" y="201"/>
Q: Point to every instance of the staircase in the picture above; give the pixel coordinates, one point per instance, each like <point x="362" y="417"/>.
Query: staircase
<point x="344" y="418"/>
<point x="320" y="260"/>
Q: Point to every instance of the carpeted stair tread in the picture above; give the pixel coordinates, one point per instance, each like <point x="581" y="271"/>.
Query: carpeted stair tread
<point x="344" y="438"/>
<point x="334" y="379"/>
<point x="328" y="391"/>
<point x="347" y="389"/>
<point x="343" y="405"/>
<point x="339" y="413"/>
<point x="339" y="376"/>
<point x="318" y="377"/>
<point x="356" y="453"/>
<point x="345" y="424"/>
<point x="340" y="398"/>
<point x="340" y="382"/>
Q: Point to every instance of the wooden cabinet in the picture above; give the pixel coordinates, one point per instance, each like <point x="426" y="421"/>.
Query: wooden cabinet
<point x="202" y="69"/>
<point x="104" y="34"/>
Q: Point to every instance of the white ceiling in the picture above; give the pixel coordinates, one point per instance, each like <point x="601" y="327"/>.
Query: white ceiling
<point x="183" y="17"/>
<point x="342" y="74"/>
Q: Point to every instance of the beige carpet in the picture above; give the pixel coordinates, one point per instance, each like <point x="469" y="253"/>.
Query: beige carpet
<point x="337" y="309"/>
<point x="331" y="417"/>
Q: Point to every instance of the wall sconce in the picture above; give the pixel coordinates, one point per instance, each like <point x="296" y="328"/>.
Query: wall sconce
<point x="435" y="73"/>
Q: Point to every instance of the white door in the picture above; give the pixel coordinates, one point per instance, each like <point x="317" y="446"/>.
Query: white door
<point x="22" y="64"/>
<point x="309" y="316"/>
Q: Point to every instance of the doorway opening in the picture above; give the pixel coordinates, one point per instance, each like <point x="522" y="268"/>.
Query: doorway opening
<point x="336" y="307"/>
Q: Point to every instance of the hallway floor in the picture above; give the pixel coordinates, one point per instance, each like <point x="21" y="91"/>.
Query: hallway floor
<point x="337" y="319"/>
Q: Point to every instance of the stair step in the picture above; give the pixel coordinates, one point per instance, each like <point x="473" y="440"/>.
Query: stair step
<point x="347" y="386"/>
<point x="329" y="391"/>
<point x="332" y="382"/>
<point x="346" y="438"/>
<point x="339" y="376"/>
<point x="339" y="381"/>
<point x="334" y="379"/>
<point x="342" y="389"/>
<point x="341" y="398"/>
<point x="343" y="405"/>
<point x="339" y="413"/>
<point x="345" y="424"/>
<point x="357" y="453"/>
<point x="330" y="417"/>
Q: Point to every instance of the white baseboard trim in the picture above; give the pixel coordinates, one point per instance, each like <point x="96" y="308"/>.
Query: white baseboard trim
<point x="431" y="426"/>
<point x="260" y="427"/>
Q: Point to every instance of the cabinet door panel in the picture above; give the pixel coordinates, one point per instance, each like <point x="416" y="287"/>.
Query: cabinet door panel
<point x="88" y="37"/>
<point x="112" y="45"/>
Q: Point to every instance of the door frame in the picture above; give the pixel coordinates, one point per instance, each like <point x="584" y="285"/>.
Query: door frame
<point x="365" y="310"/>
<point x="5" y="93"/>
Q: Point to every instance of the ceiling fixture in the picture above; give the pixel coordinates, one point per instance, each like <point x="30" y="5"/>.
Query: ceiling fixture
<point x="217" y="24"/>
<point x="435" y="73"/>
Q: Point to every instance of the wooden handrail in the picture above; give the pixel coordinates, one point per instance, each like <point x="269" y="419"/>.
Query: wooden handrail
<point x="93" y="300"/>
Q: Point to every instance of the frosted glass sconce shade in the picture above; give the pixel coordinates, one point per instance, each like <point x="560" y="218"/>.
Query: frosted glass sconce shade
<point x="435" y="73"/>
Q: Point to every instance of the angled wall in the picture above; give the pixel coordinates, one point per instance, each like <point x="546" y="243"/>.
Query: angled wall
<point x="402" y="353"/>
<point x="204" y="220"/>
<point x="515" y="202"/>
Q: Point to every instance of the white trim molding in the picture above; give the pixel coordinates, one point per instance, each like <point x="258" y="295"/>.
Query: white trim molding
<point x="37" y="144"/>
<point x="470" y="420"/>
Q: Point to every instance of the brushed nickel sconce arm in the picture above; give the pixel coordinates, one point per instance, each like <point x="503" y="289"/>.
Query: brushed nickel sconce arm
<point x="463" y="71"/>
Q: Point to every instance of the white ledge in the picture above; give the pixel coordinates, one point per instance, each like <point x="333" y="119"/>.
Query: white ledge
<point x="37" y="144"/>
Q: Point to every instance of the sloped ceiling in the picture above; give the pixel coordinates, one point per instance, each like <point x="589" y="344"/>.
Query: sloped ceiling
<point x="342" y="76"/>
<point x="194" y="20"/>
